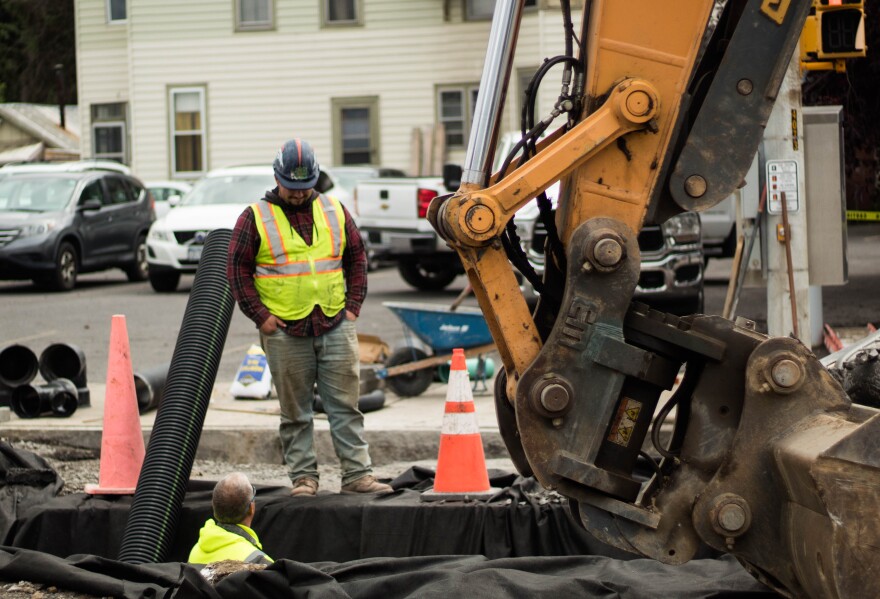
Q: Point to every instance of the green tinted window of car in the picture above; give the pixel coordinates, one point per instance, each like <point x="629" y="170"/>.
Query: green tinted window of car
<point x="35" y="194"/>
<point x="230" y="189"/>
<point x="160" y="194"/>
<point x="92" y="191"/>
<point x="116" y="191"/>
<point x="135" y="189"/>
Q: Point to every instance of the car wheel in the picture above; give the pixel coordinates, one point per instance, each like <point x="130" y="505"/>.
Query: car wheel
<point x="163" y="281"/>
<point x="413" y="383"/>
<point x="63" y="276"/>
<point x="139" y="270"/>
<point x="432" y="277"/>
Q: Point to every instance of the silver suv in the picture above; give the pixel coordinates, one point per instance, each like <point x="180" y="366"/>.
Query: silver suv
<point x="672" y="260"/>
<point x="59" y="223"/>
<point x="672" y="254"/>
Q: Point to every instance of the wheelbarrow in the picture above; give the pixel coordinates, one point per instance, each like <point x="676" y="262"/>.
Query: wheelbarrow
<point x="410" y="370"/>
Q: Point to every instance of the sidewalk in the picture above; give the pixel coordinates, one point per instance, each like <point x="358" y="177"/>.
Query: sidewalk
<point x="247" y="430"/>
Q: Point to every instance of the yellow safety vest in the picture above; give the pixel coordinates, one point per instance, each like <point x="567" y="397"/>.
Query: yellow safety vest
<point x="218" y="542"/>
<point x="292" y="277"/>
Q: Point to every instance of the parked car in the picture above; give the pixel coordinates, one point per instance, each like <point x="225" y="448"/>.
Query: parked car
<point x="671" y="274"/>
<point x="392" y="216"/>
<point x="75" y="166"/>
<point x="175" y="242"/>
<point x="167" y="194"/>
<point x="346" y="179"/>
<point x="57" y="224"/>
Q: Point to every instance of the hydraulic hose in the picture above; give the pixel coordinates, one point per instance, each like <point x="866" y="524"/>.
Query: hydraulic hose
<point x="152" y="520"/>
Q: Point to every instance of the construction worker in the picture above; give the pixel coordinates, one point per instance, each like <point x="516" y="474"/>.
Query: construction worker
<point x="298" y="268"/>
<point x="228" y="536"/>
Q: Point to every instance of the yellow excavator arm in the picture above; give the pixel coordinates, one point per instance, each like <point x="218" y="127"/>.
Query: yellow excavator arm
<point x="664" y="104"/>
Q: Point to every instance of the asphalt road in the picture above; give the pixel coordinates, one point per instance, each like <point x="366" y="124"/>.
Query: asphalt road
<point x="82" y="317"/>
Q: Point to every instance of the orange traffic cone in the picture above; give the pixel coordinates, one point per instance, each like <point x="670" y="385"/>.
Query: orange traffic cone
<point x="122" y="443"/>
<point x="461" y="464"/>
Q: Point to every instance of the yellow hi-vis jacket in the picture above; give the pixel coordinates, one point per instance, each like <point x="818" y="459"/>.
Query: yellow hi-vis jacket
<point x="292" y="277"/>
<point x="218" y="542"/>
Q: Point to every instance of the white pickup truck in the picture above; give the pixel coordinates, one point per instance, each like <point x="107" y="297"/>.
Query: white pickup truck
<point x="391" y="214"/>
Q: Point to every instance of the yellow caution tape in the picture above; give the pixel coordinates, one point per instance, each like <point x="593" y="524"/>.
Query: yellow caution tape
<point x="862" y="215"/>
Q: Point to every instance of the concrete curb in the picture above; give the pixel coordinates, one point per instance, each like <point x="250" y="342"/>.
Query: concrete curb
<point x="246" y="431"/>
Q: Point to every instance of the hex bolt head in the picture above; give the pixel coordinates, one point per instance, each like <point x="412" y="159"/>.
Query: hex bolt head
<point x="608" y="252"/>
<point x="744" y="87"/>
<point x="786" y="373"/>
<point x="695" y="186"/>
<point x="554" y="397"/>
<point x="731" y="517"/>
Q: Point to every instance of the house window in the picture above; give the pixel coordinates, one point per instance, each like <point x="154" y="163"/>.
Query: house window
<point x="342" y="12"/>
<point x="455" y="107"/>
<point x="188" y="143"/>
<point x="355" y="130"/>
<point x="253" y="15"/>
<point x="117" y="11"/>
<point x="109" y="132"/>
<point x="478" y="10"/>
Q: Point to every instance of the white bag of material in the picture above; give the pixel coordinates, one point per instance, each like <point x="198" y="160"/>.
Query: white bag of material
<point x="253" y="379"/>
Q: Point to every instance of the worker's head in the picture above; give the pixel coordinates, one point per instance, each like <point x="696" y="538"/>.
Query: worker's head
<point x="296" y="171"/>
<point x="233" y="500"/>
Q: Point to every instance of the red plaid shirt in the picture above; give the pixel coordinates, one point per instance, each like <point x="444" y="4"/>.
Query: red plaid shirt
<point x="242" y="263"/>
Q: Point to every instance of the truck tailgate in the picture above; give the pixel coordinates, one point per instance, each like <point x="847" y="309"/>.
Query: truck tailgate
<point x="393" y="203"/>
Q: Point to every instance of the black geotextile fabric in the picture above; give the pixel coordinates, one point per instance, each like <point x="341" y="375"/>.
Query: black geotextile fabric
<point x="391" y="578"/>
<point x="26" y="479"/>
<point x="520" y="544"/>
<point x="519" y="521"/>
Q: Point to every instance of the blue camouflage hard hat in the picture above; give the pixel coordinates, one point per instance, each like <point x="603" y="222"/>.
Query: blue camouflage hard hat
<point x="295" y="165"/>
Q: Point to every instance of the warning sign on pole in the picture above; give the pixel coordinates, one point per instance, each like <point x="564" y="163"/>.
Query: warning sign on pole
<point x="782" y="177"/>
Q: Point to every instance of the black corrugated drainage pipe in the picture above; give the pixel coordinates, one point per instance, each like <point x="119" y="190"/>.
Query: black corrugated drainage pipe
<point x="152" y="519"/>
<point x="18" y="366"/>
<point x="149" y="387"/>
<point x="65" y="361"/>
<point x="372" y="401"/>
<point x="58" y="397"/>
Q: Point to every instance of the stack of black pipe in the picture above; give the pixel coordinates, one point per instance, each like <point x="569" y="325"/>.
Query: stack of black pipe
<point x="62" y="366"/>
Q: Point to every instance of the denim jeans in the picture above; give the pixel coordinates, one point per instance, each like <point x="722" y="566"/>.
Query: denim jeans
<point x="331" y="361"/>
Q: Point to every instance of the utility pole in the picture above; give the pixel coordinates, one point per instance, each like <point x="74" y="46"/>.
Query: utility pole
<point x="788" y="311"/>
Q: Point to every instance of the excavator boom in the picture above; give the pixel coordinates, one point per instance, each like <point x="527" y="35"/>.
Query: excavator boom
<point x="665" y="102"/>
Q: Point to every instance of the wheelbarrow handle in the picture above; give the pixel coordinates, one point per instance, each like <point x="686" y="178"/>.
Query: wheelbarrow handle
<point x="429" y="362"/>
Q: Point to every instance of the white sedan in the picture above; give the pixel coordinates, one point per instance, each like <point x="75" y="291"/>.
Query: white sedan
<point x="167" y="194"/>
<point x="175" y="242"/>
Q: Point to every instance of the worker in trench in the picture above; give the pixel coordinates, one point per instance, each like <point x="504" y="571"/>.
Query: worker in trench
<point x="228" y="536"/>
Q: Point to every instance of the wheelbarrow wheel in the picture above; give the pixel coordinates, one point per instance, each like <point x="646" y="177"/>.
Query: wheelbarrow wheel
<point x="408" y="384"/>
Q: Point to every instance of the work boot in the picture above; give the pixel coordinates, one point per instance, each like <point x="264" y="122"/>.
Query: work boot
<point x="366" y="484"/>
<point x="304" y="486"/>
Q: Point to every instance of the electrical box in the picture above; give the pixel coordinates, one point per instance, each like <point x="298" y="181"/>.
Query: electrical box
<point x="825" y="194"/>
<point x="825" y="200"/>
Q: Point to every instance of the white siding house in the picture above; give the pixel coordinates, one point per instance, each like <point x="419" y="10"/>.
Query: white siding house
<point x="175" y="89"/>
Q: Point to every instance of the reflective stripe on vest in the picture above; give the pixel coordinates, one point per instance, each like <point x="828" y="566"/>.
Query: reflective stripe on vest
<point x="304" y="276"/>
